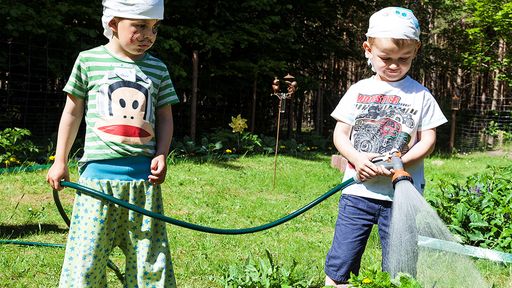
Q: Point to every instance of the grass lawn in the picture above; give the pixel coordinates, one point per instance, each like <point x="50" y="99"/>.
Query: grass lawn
<point x="232" y="194"/>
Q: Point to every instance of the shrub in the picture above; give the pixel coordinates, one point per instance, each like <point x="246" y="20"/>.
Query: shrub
<point x="373" y="278"/>
<point x="205" y="150"/>
<point x="480" y="209"/>
<point x="263" y="273"/>
<point x="15" y="148"/>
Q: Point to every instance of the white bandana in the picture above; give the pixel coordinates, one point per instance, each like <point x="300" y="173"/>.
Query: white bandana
<point x="132" y="9"/>
<point x="394" y="22"/>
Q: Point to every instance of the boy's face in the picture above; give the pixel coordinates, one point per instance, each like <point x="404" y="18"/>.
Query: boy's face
<point x="134" y="36"/>
<point x="391" y="63"/>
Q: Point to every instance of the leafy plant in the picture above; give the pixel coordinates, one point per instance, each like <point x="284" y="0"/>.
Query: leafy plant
<point x="250" y="142"/>
<point x="480" y="209"/>
<point x="374" y="278"/>
<point x="15" y="148"/>
<point x="263" y="273"/>
<point x="238" y="142"/>
<point x="246" y="141"/>
<point x="206" y="150"/>
<point x="494" y="129"/>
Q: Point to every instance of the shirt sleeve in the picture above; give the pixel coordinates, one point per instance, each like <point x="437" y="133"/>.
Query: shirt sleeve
<point x="77" y="82"/>
<point x="345" y="111"/>
<point x="166" y="92"/>
<point x="432" y="116"/>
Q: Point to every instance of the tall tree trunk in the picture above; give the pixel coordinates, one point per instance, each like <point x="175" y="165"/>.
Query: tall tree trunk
<point x="473" y="79"/>
<point x="290" y="107"/>
<point x="193" y="101"/>
<point x="497" y="90"/>
<point x="483" y="95"/>
<point x="432" y="77"/>
<point x="319" y="111"/>
<point x="253" y="104"/>
<point x="299" y="113"/>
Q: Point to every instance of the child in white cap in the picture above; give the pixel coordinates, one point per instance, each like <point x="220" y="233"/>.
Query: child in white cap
<point x="126" y="96"/>
<point x="388" y="111"/>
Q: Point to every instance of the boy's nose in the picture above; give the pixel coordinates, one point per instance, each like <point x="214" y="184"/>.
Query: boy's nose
<point x="148" y="33"/>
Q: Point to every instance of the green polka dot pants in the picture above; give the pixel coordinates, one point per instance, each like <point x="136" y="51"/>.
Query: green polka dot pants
<point x="99" y="226"/>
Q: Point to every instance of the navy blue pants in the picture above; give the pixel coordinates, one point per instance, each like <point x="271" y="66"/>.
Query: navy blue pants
<point x="356" y="217"/>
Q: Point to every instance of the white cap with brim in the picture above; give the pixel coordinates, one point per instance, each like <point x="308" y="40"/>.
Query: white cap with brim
<point x="132" y="9"/>
<point x="394" y="22"/>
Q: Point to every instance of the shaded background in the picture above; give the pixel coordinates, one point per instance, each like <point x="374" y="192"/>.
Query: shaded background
<point x="242" y="45"/>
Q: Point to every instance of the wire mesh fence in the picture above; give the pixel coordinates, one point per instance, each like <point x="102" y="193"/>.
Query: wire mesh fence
<point x="481" y="130"/>
<point x="31" y="81"/>
<point x="32" y="77"/>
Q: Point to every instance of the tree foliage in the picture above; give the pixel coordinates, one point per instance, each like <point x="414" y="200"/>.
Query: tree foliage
<point x="243" y="45"/>
<point x="489" y="25"/>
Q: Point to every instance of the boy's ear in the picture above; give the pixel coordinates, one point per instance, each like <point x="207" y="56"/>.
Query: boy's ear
<point x="418" y="48"/>
<point x="367" y="49"/>
<point x="113" y="24"/>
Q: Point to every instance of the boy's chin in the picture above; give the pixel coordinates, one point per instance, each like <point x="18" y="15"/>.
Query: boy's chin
<point x="391" y="78"/>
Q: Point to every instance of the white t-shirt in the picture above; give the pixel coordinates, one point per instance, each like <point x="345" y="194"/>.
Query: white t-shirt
<point x="385" y="116"/>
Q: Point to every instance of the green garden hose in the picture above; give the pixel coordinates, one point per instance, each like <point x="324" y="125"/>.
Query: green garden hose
<point x="103" y="196"/>
<point x="424" y="241"/>
<point x="29" y="243"/>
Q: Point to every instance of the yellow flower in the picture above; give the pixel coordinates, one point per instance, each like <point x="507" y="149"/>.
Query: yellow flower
<point x="13" y="159"/>
<point x="238" y="124"/>
<point x="51" y="158"/>
<point x="228" y="151"/>
<point x="367" y="280"/>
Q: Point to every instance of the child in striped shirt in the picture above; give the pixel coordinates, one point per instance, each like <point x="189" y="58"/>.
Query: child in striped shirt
<point x="126" y="97"/>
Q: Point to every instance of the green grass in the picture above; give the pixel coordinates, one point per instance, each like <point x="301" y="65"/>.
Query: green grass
<point x="232" y="194"/>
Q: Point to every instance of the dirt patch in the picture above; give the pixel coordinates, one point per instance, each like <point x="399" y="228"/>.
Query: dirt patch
<point x="437" y="162"/>
<point x="42" y="199"/>
<point x="500" y="153"/>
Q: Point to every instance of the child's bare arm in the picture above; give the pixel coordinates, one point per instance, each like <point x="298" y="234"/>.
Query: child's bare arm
<point x="68" y="129"/>
<point x="364" y="167"/>
<point x="164" y="132"/>
<point x="423" y="148"/>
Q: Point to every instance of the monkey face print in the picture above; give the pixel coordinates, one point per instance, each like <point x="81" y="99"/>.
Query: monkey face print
<point x="125" y="111"/>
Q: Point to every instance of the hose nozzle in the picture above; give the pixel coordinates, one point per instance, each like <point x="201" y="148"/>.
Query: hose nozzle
<point x="392" y="160"/>
<point x="400" y="175"/>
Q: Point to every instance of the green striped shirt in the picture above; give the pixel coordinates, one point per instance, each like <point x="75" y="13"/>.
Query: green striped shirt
<point x="121" y="99"/>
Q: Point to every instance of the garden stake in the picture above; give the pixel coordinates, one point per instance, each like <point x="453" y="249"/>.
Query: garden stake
<point x="290" y="90"/>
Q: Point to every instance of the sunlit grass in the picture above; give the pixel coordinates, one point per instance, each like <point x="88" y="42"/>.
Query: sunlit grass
<point x="232" y="194"/>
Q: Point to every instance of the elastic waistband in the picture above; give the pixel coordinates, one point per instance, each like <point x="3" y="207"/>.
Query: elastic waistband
<point x="124" y="169"/>
<point x="385" y="203"/>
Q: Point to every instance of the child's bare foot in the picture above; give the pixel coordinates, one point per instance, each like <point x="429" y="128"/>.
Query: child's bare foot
<point x="331" y="283"/>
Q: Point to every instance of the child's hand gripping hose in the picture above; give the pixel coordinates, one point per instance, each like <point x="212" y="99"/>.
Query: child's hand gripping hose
<point x="392" y="161"/>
